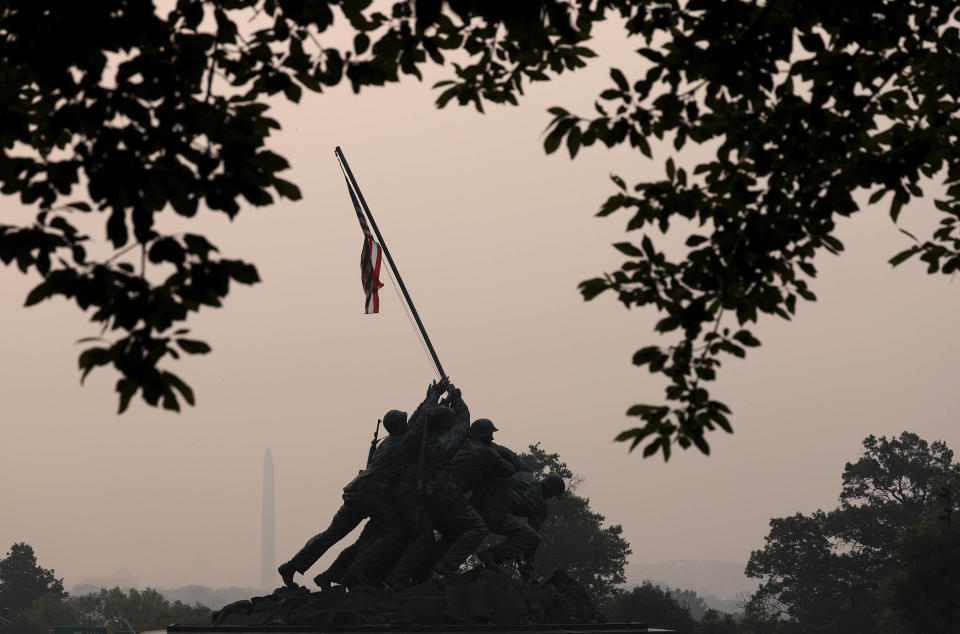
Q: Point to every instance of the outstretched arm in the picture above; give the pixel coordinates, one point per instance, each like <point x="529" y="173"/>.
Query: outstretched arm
<point x="461" y="417"/>
<point x="411" y="439"/>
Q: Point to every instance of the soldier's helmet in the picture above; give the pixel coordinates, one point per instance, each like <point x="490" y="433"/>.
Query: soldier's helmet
<point x="441" y="417"/>
<point x="395" y="422"/>
<point x="553" y="486"/>
<point x="482" y="429"/>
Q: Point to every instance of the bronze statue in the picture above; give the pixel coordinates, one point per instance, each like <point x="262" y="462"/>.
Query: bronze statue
<point x="368" y="495"/>
<point x="515" y="507"/>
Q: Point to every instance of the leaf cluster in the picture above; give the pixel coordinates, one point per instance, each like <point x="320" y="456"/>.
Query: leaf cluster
<point x="138" y="112"/>
<point x="802" y="106"/>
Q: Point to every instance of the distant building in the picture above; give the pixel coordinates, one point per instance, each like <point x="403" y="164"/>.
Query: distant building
<point x="268" y="533"/>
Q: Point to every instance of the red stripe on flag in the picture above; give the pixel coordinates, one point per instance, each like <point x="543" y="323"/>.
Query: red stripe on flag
<point x="370" y="256"/>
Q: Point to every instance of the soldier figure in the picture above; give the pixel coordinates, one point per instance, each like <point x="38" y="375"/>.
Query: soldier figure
<point x="451" y="465"/>
<point x="417" y="481"/>
<point x="482" y="431"/>
<point x="516" y="508"/>
<point x="367" y="495"/>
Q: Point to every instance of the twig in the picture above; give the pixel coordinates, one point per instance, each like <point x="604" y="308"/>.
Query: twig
<point x="122" y="252"/>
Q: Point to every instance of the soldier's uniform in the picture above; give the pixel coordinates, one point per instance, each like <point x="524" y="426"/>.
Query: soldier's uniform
<point x="367" y="495"/>
<point x="516" y="508"/>
<point x="452" y="465"/>
<point x="473" y="465"/>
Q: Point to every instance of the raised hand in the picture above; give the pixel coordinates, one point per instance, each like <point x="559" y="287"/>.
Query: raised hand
<point x="453" y="392"/>
<point x="437" y="388"/>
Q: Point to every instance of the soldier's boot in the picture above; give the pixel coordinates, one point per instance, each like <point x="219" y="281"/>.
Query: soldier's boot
<point x="489" y="561"/>
<point x="356" y="578"/>
<point x="443" y="570"/>
<point x="287" y="571"/>
<point x="393" y="582"/>
<point x="526" y="572"/>
<point x="323" y="582"/>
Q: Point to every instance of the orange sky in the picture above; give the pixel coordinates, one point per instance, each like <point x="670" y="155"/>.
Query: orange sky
<point x="492" y="237"/>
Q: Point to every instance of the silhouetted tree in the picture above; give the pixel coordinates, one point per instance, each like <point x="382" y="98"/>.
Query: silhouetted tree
<point x="922" y="594"/>
<point x="144" y="609"/>
<point x="651" y="604"/>
<point x="691" y="601"/>
<point x="716" y="622"/>
<point x="823" y="570"/>
<point x="22" y="581"/>
<point x="865" y="103"/>
<point x="46" y="612"/>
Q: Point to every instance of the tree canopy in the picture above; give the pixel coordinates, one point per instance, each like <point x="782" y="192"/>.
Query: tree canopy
<point x="650" y="604"/>
<point x="22" y="581"/>
<point x="681" y="610"/>
<point x="144" y="609"/>
<point x="806" y="108"/>
<point x="875" y="563"/>
<point x="134" y="113"/>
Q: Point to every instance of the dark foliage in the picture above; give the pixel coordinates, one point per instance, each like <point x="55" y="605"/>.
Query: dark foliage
<point x="144" y="609"/>
<point x="650" y="604"/>
<point x="145" y="112"/>
<point x="807" y="105"/>
<point x="838" y="571"/>
<point x="22" y="581"/>
<point x="923" y="592"/>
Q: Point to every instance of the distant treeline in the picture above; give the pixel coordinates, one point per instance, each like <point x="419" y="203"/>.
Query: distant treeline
<point x="142" y="609"/>
<point x="213" y="598"/>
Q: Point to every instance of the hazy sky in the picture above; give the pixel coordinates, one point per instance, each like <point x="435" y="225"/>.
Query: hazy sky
<point x="492" y="237"/>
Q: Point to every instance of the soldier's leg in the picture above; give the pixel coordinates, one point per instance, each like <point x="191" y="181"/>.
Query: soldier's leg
<point x="419" y="530"/>
<point x="345" y="520"/>
<point x="338" y="569"/>
<point x="464" y="520"/>
<point x="522" y="540"/>
<point x="393" y="535"/>
<point x="416" y="551"/>
<point x="448" y="535"/>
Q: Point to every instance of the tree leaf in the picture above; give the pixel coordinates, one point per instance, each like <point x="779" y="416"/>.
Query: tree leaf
<point x="746" y="338"/>
<point x="628" y="249"/>
<point x="620" y="80"/>
<point x="287" y="189"/>
<point x="193" y="346"/>
<point x="126" y="388"/>
<point x="181" y="387"/>
<point x="39" y="293"/>
<point x="904" y="255"/>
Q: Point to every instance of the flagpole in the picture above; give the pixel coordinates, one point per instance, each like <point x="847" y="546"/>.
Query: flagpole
<point x="393" y="266"/>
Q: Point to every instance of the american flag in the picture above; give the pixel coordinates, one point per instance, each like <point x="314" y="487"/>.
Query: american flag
<point x="370" y="256"/>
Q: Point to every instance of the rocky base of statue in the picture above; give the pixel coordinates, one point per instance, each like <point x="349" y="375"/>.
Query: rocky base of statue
<point x="478" y="597"/>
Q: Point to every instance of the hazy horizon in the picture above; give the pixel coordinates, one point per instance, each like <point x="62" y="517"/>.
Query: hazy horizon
<point x="492" y="238"/>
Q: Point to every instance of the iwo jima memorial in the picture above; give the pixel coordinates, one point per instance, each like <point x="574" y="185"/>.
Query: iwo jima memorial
<point x="436" y="490"/>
